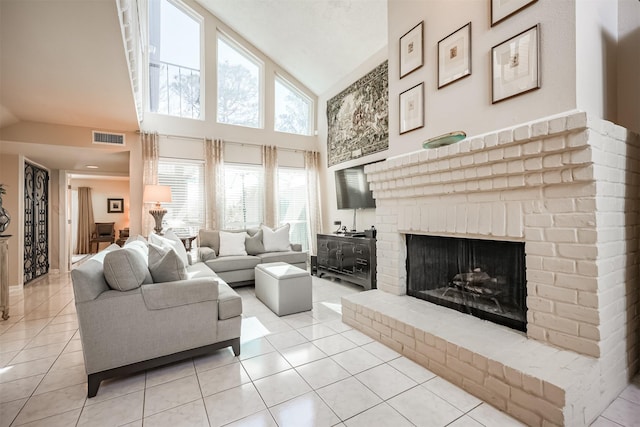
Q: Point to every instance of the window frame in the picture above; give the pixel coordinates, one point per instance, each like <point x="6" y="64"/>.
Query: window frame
<point x="260" y="173"/>
<point x="279" y="78"/>
<point x="250" y="56"/>
<point x="187" y="10"/>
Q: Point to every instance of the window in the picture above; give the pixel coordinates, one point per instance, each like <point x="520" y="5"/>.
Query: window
<point x="185" y="213"/>
<point x="293" y="109"/>
<point x="174" y="59"/>
<point x="244" y="196"/>
<point x="292" y="204"/>
<point x="239" y="85"/>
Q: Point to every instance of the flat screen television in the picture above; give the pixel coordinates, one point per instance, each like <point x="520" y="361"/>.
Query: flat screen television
<point x="352" y="189"/>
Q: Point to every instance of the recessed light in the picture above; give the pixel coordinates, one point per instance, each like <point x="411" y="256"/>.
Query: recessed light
<point x="92" y="167"/>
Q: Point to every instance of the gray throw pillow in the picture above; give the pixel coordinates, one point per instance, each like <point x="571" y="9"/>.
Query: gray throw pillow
<point x="125" y="270"/>
<point x="253" y="244"/>
<point x="165" y="264"/>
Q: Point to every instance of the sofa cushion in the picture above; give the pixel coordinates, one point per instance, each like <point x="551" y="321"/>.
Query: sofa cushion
<point x="229" y="302"/>
<point x="232" y="244"/>
<point x="230" y="263"/>
<point x="253" y="243"/>
<point x="276" y="240"/>
<point x="170" y="240"/>
<point x="165" y="264"/>
<point x="198" y="270"/>
<point x="125" y="269"/>
<point x="290" y="257"/>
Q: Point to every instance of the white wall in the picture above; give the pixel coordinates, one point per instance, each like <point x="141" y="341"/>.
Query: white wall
<point x="365" y="218"/>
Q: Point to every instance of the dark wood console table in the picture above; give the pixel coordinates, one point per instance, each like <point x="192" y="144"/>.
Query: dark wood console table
<point x="348" y="258"/>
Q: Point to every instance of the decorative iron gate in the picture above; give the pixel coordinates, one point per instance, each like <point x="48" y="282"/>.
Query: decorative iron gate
<point x="36" y="222"/>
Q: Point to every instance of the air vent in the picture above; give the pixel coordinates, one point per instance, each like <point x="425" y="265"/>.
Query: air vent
<point x="108" y="138"/>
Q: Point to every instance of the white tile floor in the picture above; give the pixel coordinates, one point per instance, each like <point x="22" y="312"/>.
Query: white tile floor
<point x="298" y="370"/>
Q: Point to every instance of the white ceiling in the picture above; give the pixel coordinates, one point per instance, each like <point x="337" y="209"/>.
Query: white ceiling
<point x="317" y="41"/>
<point x="63" y="61"/>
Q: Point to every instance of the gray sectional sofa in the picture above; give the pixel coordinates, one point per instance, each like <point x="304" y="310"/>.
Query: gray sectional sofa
<point x="129" y="322"/>
<point x="239" y="270"/>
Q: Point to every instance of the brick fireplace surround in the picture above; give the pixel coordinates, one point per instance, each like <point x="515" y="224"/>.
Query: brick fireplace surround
<point x="567" y="186"/>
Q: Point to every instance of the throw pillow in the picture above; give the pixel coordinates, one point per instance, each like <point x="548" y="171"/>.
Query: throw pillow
<point x="232" y="243"/>
<point x="253" y="243"/>
<point x="165" y="264"/>
<point x="276" y="240"/>
<point x="139" y="247"/>
<point x="170" y="240"/>
<point x="125" y="270"/>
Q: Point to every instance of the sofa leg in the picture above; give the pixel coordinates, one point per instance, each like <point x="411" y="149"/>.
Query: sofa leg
<point x="235" y="346"/>
<point x="93" y="383"/>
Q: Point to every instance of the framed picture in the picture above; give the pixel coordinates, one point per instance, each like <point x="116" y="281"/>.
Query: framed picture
<point x="454" y="56"/>
<point x="115" y="205"/>
<point x="411" y="51"/>
<point x="515" y="65"/>
<point x="502" y="9"/>
<point x="412" y="108"/>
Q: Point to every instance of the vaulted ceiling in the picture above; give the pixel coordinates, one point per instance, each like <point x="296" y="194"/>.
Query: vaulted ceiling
<point x="63" y="61"/>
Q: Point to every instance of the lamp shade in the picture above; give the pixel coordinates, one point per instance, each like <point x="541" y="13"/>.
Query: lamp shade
<point x="156" y="193"/>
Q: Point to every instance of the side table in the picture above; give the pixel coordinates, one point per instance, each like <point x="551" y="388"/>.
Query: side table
<point x="187" y="241"/>
<point x="4" y="276"/>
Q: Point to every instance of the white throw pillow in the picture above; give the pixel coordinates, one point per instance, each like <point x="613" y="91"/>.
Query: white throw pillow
<point x="170" y="240"/>
<point x="232" y="243"/>
<point x="165" y="264"/>
<point x="276" y="240"/>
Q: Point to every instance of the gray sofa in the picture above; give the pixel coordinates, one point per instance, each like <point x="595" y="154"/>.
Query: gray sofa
<point x="127" y="330"/>
<point x="239" y="270"/>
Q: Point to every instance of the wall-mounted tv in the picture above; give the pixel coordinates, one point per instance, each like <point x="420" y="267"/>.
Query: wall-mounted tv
<point x="352" y="189"/>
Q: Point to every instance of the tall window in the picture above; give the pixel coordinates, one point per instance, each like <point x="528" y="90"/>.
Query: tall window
<point x="174" y="59"/>
<point x="293" y="109"/>
<point x="292" y="203"/>
<point x="239" y="85"/>
<point x="185" y="213"/>
<point x="244" y="195"/>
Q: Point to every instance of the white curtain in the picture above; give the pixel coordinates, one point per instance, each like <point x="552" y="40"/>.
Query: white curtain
<point x="270" y="164"/>
<point x="86" y="222"/>
<point x="214" y="183"/>
<point x="314" y="207"/>
<point x="150" y="159"/>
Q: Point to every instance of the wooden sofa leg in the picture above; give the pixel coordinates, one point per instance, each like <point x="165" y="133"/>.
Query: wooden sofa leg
<point x="235" y="345"/>
<point x="93" y="383"/>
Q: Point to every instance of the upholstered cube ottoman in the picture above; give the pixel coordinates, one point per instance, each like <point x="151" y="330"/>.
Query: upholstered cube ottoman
<point x="284" y="288"/>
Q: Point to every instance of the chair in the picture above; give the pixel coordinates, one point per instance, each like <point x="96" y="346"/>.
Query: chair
<point x="104" y="232"/>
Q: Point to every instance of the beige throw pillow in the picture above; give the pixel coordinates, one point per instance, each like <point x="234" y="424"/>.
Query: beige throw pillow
<point x="165" y="264"/>
<point x="232" y="243"/>
<point x="276" y="240"/>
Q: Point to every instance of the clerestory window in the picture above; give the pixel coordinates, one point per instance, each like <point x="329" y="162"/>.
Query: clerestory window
<point x="174" y="59"/>
<point x="239" y="85"/>
<point x="293" y="109"/>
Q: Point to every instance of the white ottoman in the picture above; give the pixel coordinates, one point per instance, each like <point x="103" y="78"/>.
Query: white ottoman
<point x="284" y="288"/>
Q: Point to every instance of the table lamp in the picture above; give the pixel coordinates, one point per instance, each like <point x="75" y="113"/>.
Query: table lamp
<point x="156" y="194"/>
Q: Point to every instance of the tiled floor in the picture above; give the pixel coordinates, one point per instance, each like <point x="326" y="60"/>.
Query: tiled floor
<point x="298" y="370"/>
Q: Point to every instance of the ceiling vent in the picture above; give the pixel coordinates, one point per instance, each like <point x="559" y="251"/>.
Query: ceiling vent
<point x="108" y="138"/>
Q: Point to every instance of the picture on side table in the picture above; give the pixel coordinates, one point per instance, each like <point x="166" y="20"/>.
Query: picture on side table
<point x="502" y="9"/>
<point x="412" y="108"/>
<point x="411" y="50"/>
<point x="454" y="56"/>
<point x="115" y="205"/>
<point x="515" y="65"/>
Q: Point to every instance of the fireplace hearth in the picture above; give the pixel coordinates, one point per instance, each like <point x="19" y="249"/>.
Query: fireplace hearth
<point x="484" y="278"/>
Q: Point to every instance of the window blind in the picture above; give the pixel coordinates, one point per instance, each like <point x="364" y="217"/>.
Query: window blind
<point x="292" y="204"/>
<point x="185" y="213"/>
<point x="244" y="195"/>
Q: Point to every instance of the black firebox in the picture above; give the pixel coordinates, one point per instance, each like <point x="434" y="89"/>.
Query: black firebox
<point x="484" y="278"/>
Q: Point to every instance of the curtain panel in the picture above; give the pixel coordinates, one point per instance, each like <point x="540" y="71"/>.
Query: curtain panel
<point x="214" y="183"/>
<point x="270" y="164"/>
<point x="86" y="222"/>
<point x="150" y="159"/>
<point x="314" y="207"/>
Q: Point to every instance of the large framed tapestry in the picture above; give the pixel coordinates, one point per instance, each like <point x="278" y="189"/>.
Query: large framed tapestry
<point x="358" y="118"/>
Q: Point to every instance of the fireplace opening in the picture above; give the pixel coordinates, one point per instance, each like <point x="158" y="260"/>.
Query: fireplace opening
<point x="484" y="278"/>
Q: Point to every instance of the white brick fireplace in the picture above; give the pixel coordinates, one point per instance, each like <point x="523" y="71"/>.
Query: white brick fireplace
<point x="569" y="188"/>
